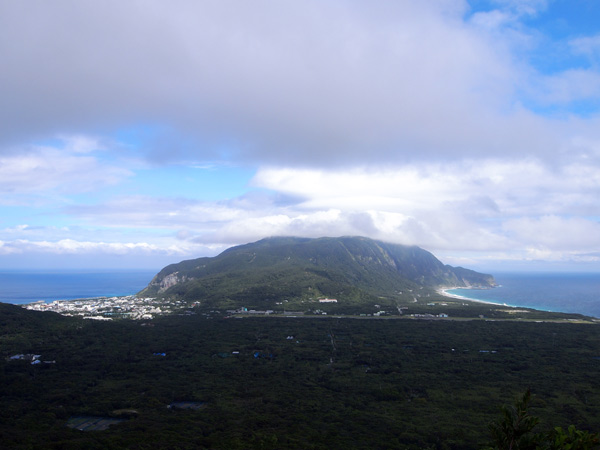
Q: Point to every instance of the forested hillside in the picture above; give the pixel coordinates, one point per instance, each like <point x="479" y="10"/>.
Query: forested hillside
<point x="353" y="270"/>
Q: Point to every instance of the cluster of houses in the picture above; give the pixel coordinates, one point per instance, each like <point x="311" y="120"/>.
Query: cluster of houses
<point x="106" y="308"/>
<point x="431" y="316"/>
<point x="243" y="310"/>
<point x="29" y="357"/>
<point x="132" y="307"/>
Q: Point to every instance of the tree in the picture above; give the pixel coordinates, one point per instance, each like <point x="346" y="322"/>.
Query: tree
<point x="571" y="439"/>
<point x="515" y="431"/>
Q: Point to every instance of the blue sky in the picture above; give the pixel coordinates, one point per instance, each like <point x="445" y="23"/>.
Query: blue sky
<point x="137" y="134"/>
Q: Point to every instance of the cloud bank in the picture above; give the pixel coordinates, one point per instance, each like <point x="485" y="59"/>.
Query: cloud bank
<point x="307" y="83"/>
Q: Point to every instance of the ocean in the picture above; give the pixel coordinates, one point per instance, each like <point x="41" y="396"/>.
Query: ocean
<point x="20" y="287"/>
<point x="559" y="292"/>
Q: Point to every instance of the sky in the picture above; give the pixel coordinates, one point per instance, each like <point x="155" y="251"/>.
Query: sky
<point x="139" y="133"/>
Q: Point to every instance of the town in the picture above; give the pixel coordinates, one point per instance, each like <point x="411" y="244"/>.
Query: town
<point x="107" y="308"/>
<point x="146" y="308"/>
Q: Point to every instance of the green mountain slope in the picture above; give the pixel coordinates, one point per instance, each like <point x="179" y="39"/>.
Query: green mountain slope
<point x="273" y="270"/>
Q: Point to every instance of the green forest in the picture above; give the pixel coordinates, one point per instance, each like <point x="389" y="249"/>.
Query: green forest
<point x="191" y="381"/>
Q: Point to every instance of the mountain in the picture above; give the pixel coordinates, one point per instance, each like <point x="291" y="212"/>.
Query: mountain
<point x="290" y="269"/>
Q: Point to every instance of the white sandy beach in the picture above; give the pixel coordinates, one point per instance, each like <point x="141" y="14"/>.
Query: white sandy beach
<point x="444" y="291"/>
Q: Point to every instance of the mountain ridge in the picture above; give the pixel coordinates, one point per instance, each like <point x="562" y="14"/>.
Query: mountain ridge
<point x="275" y="269"/>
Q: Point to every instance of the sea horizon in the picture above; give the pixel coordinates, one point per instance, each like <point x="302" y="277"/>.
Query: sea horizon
<point x="22" y="286"/>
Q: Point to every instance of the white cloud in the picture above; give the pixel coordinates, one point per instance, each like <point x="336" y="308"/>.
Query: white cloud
<point x="588" y="45"/>
<point x="48" y="169"/>
<point x="568" y="86"/>
<point x="81" y="143"/>
<point x="555" y="233"/>
<point x="77" y="254"/>
<point x="70" y="246"/>
<point x="490" y="187"/>
<point x="476" y="208"/>
<point x="483" y="207"/>
<point x="523" y="7"/>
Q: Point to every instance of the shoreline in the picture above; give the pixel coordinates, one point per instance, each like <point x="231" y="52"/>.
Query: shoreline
<point x="61" y="300"/>
<point x="444" y="292"/>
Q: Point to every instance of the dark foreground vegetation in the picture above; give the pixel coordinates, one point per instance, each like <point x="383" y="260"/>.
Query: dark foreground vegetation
<point x="296" y="383"/>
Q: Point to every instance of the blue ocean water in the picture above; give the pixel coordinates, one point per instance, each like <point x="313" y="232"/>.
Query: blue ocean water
<point x="20" y="287"/>
<point x="560" y="292"/>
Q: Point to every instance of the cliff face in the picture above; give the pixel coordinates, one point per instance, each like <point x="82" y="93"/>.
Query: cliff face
<point x="170" y="280"/>
<point x="293" y="267"/>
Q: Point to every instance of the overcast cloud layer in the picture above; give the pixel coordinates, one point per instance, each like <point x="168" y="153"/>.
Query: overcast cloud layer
<point x="471" y="129"/>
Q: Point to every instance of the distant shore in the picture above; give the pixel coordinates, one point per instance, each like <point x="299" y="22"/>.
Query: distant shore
<point x="24" y="287"/>
<point x="444" y="292"/>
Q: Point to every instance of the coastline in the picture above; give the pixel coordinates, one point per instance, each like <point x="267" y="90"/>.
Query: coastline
<point x="444" y="292"/>
<point x="20" y="287"/>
